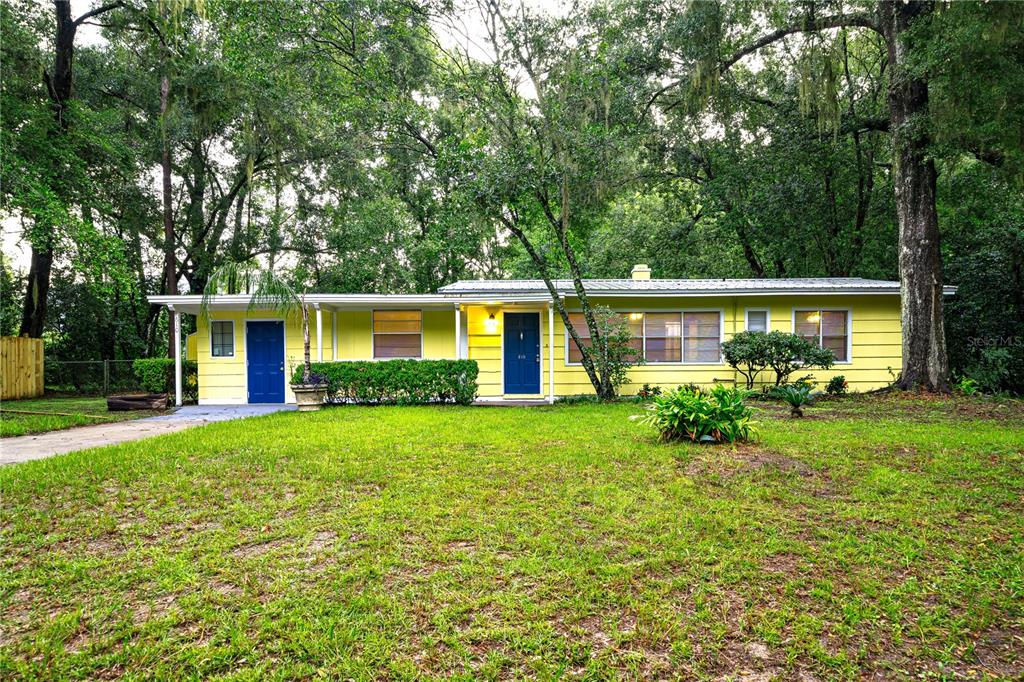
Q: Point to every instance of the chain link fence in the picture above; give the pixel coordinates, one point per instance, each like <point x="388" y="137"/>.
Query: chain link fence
<point x="91" y="377"/>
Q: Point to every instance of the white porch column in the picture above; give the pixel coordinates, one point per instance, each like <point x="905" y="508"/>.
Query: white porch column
<point x="176" y="330"/>
<point x="551" y="353"/>
<point x="319" y="335"/>
<point x="458" y="332"/>
<point x="334" y="335"/>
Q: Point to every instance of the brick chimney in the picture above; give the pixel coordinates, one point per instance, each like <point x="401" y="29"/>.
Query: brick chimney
<point x="641" y="271"/>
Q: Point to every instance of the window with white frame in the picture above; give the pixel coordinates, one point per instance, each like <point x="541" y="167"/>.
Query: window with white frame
<point x="397" y="333"/>
<point x="757" y="320"/>
<point x="579" y="323"/>
<point x="827" y="328"/>
<point x="222" y="339"/>
<point x="702" y="337"/>
<point x="663" y="337"/>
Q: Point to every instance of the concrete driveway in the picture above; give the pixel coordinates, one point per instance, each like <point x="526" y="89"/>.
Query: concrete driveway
<point x="39" y="446"/>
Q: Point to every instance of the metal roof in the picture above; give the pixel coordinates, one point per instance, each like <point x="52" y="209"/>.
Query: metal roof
<point x="534" y="290"/>
<point x="192" y="304"/>
<point x="679" y="287"/>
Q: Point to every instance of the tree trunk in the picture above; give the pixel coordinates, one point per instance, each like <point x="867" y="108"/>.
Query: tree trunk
<point x="171" y="278"/>
<point x="925" y="364"/>
<point x="59" y="85"/>
<point x="33" y="314"/>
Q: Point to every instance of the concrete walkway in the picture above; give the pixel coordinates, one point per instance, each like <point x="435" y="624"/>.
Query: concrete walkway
<point x="39" y="446"/>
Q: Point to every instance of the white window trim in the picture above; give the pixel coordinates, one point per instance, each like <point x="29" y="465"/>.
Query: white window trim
<point x="373" y="336"/>
<point x="233" y="343"/>
<point x="767" y="318"/>
<point x="849" y="327"/>
<point x="682" y="353"/>
<point x="721" y="334"/>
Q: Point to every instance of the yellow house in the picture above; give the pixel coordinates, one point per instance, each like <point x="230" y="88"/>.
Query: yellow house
<point x="519" y="341"/>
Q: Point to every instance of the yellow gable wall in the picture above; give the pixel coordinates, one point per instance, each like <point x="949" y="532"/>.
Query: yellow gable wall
<point x="875" y="330"/>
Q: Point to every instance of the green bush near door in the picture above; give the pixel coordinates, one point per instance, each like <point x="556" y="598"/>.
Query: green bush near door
<point x="398" y="382"/>
<point x="156" y="375"/>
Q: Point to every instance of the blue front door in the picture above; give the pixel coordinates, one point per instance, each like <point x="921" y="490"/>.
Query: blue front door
<point x="265" y="347"/>
<point x="522" y="353"/>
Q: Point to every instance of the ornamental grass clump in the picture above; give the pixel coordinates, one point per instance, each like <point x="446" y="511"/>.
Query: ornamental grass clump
<point x="695" y="414"/>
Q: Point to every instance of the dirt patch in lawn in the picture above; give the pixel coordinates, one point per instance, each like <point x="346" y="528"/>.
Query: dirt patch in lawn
<point x="742" y="459"/>
<point x="924" y="407"/>
<point x="254" y="549"/>
<point x="149" y="609"/>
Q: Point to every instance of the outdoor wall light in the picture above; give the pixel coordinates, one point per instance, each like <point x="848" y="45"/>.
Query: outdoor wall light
<point x="636" y="317"/>
<point x="491" y="324"/>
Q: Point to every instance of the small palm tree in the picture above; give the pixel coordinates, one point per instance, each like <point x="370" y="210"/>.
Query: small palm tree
<point x="267" y="290"/>
<point x="797" y="396"/>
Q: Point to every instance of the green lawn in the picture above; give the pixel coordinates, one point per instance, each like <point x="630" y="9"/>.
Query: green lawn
<point x="878" y="537"/>
<point x="73" y="412"/>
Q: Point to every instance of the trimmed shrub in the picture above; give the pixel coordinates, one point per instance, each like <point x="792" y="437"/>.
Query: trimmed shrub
<point x="398" y="382"/>
<point x="750" y="353"/>
<point x="714" y="416"/>
<point x="156" y="375"/>
<point x="837" y="385"/>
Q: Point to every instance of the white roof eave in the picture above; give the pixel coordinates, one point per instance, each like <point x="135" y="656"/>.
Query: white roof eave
<point x="191" y="304"/>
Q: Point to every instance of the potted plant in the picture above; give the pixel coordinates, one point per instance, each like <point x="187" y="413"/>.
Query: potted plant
<point x="310" y="393"/>
<point x="268" y="290"/>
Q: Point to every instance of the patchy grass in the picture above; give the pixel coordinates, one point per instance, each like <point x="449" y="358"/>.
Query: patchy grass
<point x="73" y="412"/>
<point x="552" y="542"/>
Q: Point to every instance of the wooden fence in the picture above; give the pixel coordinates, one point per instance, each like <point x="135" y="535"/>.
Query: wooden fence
<point x="21" y="367"/>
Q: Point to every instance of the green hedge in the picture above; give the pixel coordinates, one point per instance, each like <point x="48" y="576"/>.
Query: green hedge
<point x="400" y="382"/>
<point x="156" y="375"/>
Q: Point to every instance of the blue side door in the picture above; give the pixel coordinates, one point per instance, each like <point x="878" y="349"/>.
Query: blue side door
<point x="522" y="353"/>
<point x="265" y="352"/>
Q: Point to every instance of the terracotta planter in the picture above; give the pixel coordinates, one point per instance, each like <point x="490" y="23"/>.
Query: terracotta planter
<point x="309" y="397"/>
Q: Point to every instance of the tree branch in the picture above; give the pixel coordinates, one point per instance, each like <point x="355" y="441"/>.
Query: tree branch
<point x="836" y="21"/>
<point x="808" y="26"/>
<point x="102" y="9"/>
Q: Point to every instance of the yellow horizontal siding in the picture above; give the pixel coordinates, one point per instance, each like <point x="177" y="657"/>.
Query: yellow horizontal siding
<point x="875" y="329"/>
<point x="875" y="336"/>
<point x="224" y="379"/>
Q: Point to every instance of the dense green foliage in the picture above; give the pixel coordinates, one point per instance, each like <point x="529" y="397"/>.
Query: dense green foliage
<point x="718" y="415"/>
<point x="156" y="375"/>
<point x="400" y="382"/>
<point x="345" y="146"/>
